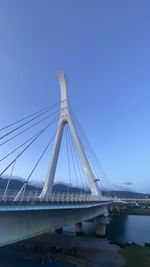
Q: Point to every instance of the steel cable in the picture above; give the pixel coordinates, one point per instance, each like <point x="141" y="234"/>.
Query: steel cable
<point x="22" y="144"/>
<point x="29" y="116"/>
<point x="73" y="162"/>
<point x="41" y="155"/>
<point x="6" y="141"/>
<point x="85" y="140"/>
<point x="76" y="159"/>
<point x="26" y="147"/>
<point x="68" y="157"/>
<point x="25" y="123"/>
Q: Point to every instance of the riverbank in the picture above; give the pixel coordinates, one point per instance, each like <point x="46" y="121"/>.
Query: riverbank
<point x="138" y="211"/>
<point x="136" y="256"/>
<point x="86" y="251"/>
<point x="63" y="250"/>
<point x="77" y="250"/>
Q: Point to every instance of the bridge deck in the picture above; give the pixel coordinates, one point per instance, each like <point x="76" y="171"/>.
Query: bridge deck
<point x="31" y="201"/>
<point x="49" y="206"/>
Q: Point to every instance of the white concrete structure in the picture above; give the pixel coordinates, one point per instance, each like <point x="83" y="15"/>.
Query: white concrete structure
<point x="19" y="222"/>
<point x="27" y="214"/>
<point x="65" y="118"/>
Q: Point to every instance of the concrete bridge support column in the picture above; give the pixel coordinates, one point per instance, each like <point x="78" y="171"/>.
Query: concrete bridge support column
<point x="101" y="223"/>
<point x="79" y="228"/>
<point x="100" y="229"/>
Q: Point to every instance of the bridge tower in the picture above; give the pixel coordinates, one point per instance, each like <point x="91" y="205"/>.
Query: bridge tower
<point x="65" y="118"/>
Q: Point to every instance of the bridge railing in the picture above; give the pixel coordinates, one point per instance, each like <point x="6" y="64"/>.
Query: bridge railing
<point x="34" y="196"/>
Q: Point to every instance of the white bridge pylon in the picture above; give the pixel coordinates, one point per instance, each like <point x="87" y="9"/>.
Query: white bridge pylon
<point x="65" y="118"/>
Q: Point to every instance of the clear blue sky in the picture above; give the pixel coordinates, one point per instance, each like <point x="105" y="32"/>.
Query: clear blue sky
<point x="104" y="48"/>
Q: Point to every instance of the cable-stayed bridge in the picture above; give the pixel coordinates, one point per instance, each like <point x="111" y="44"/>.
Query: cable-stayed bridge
<point x="24" y="213"/>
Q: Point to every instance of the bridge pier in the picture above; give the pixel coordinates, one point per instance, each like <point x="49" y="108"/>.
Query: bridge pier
<point x="101" y="223"/>
<point x="79" y="228"/>
<point x="100" y="229"/>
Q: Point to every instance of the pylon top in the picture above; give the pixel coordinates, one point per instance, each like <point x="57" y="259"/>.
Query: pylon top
<point x="64" y="95"/>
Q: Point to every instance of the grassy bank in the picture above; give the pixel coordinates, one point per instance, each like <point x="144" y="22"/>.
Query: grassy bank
<point x="137" y="256"/>
<point x="138" y="211"/>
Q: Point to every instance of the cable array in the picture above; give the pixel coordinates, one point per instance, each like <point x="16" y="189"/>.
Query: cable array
<point x="97" y="169"/>
<point x="31" y="121"/>
<point x="29" y="116"/>
<point x="68" y="159"/>
<point x="26" y="129"/>
<point x="45" y="119"/>
<point x="77" y="178"/>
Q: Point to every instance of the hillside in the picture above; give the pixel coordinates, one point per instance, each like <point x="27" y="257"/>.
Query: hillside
<point x="16" y="184"/>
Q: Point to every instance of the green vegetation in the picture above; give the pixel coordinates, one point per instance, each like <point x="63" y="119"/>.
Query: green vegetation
<point x="138" y="211"/>
<point x="137" y="256"/>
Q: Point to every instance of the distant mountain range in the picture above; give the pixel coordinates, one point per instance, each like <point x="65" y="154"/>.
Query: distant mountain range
<point x="16" y="184"/>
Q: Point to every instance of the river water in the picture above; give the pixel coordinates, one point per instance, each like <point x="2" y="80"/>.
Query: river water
<point x="130" y="228"/>
<point x="122" y="229"/>
<point x="125" y="228"/>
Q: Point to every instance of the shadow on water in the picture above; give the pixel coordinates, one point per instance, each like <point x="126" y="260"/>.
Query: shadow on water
<point x="116" y="230"/>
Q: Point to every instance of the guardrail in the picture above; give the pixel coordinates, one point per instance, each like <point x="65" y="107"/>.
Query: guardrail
<point x="34" y="196"/>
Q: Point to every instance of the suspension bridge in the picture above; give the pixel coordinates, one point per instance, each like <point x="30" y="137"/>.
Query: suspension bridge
<point x="27" y="213"/>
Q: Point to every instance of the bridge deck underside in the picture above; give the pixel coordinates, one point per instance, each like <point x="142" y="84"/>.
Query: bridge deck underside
<point x="19" y="225"/>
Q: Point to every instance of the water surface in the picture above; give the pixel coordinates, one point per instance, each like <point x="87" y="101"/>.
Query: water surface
<point x="130" y="228"/>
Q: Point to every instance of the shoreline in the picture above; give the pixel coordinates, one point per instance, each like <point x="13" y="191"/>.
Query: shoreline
<point x="65" y="250"/>
<point x="138" y="211"/>
<point x="81" y="250"/>
<point x="103" y="253"/>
